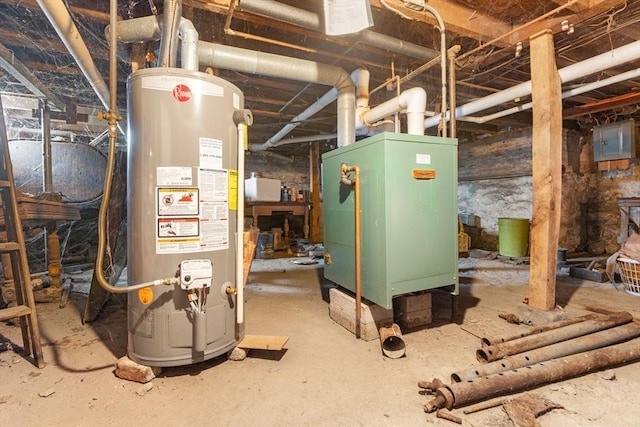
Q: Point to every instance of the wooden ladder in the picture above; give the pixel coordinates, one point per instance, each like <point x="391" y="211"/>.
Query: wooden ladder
<point x="14" y="257"/>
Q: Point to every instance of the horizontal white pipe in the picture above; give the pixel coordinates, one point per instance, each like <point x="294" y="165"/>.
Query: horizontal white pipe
<point x="621" y="55"/>
<point x="567" y="94"/>
<point x="413" y="101"/>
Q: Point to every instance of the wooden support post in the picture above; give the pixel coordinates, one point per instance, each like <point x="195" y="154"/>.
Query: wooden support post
<point x="315" y="221"/>
<point x="547" y="171"/>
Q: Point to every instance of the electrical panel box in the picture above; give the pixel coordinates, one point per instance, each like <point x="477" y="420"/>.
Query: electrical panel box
<point x="614" y="141"/>
<point x="409" y="208"/>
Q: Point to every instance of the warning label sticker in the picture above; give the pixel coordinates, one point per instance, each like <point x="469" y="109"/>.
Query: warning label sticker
<point x="177" y="201"/>
<point x="178" y="227"/>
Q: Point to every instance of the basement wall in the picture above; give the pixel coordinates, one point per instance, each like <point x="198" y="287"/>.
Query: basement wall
<point x="495" y="181"/>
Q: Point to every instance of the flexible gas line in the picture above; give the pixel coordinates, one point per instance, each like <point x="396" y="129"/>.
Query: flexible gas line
<point x="113" y="119"/>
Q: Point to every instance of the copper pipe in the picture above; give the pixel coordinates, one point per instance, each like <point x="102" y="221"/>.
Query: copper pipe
<point x="344" y="169"/>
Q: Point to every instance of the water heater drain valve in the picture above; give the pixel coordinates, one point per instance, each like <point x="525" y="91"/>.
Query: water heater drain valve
<point x="195" y="274"/>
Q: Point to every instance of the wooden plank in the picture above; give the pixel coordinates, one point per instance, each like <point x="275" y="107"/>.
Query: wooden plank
<point x="547" y="171"/>
<point x="13" y="312"/>
<point x="316" y="232"/>
<point x="263" y="342"/>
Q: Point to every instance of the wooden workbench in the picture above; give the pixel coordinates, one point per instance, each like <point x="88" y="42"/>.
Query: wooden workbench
<point x="268" y="208"/>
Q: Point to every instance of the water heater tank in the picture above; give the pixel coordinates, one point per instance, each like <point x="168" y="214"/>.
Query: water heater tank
<point x="182" y="205"/>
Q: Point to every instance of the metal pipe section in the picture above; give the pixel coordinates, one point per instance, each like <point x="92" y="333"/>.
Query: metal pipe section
<point x="168" y="40"/>
<point x="485" y="341"/>
<point x="463" y="393"/>
<point x="554" y="351"/>
<point x="499" y="351"/>
<point x="392" y="343"/>
<point x="413" y="101"/>
<point x="621" y="55"/>
<point x="344" y="170"/>
<point x="189" y="46"/>
<point x="303" y="18"/>
<point x="47" y="175"/>
<point x="59" y="17"/>
<point x="267" y="64"/>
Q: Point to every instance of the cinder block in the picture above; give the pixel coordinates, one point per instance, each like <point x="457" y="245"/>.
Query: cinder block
<point x="412" y="302"/>
<point x="342" y="309"/>
<point x="415" y="319"/>
<point x="444" y="304"/>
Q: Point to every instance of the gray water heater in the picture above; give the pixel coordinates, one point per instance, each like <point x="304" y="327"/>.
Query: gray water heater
<point x="182" y="215"/>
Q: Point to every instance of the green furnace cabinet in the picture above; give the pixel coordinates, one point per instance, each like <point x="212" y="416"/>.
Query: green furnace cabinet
<point x="409" y="215"/>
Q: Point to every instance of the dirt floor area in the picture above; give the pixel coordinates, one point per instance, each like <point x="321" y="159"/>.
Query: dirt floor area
<point x="325" y="377"/>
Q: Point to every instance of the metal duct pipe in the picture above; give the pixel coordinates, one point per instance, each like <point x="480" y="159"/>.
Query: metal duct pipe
<point x="360" y="77"/>
<point x="168" y="41"/>
<point x="149" y="28"/>
<point x="554" y="351"/>
<point x="499" y="351"/>
<point x="621" y="55"/>
<point x="413" y="100"/>
<point x="189" y="46"/>
<point x="628" y="75"/>
<point x="303" y="18"/>
<point x="267" y="64"/>
<point x="60" y="19"/>
<point x="463" y="393"/>
<point x="244" y="60"/>
<point x="535" y="330"/>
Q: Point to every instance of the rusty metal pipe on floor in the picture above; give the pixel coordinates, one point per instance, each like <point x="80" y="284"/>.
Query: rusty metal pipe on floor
<point x="566" y="348"/>
<point x="520" y="345"/>
<point x="392" y="343"/>
<point x="485" y="341"/>
<point x="463" y="393"/>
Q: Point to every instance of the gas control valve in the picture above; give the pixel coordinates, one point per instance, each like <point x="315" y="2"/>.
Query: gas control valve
<point x="196" y="273"/>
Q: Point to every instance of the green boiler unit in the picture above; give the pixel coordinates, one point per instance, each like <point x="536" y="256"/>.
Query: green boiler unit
<point x="408" y="214"/>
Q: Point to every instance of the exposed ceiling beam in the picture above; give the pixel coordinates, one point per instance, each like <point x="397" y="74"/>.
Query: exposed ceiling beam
<point x="457" y="19"/>
<point x="604" y="105"/>
<point x="21" y="73"/>
<point x="576" y="7"/>
<point x="553" y="23"/>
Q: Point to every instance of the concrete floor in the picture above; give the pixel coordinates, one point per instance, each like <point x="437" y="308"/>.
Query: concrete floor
<point x="324" y="378"/>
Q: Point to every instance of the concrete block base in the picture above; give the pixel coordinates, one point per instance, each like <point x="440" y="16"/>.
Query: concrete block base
<point x="412" y="311"/>
<point x="342" y="309"/>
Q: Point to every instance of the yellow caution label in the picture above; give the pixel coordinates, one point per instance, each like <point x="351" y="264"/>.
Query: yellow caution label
<point x="145" y="295"/>
<point x="233" y="189"/>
